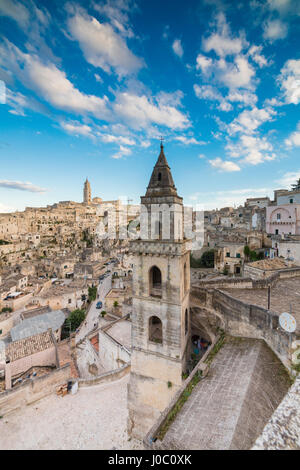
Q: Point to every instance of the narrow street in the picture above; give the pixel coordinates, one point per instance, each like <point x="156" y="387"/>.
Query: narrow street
<point x="93" y="314"/>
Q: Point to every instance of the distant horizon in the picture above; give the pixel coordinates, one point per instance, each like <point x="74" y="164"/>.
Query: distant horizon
<point x="133" y="202"/>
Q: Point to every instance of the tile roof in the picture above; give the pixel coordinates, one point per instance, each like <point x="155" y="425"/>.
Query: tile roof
<point x="28" y="346"/>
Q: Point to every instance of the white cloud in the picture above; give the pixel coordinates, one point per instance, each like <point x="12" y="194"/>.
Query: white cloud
<point x="222" y="41"/>
<point x="274" y="29"/>
<point x="255" y="54"/>
<point x="145" y="144"/>
<point x="204" y="63"/>
<point x="189" y="140"/>
<point x="245" y="97"/>
<point x="108" y="139"/>
<point x="16" y="11"/>
<point x="22" y="186"/>
<point x="237" y="74"/>
<point x="142" y="111"/>
<point x="207" y="92"/>
<point x="251" y="149"/>
<point x="289" y="178"/>
<point x="231" y="68"/>
<point x="249" y="120"/>
<point x="102" y="46"/>
<point x="177" y="48"/>
<point x="77" y="128"/>
<point x="294" y="139"/>
<point x="289" y="81"/>
<point x="224" y="165"/>
<point x="51" y="83"/>
<point x="98" y="78"/>
<point x="230" y="198"/>
<point x="18" y="102"/>
<point x="123" y="151"/>
<point x="117" y="11"/>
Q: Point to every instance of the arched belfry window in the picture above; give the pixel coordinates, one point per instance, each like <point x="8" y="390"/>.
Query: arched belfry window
<point x="186" y="321"/>
<point x="155" y="286"/>
<point x="159" y="177"/>
<point x="155" y="330"/>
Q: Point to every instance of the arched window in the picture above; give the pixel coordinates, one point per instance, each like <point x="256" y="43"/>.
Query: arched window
<point x="159" y="177"/>
<point x="155" y="330"/>
<point x="186" y="321"/>
<point x="155" y="282"/>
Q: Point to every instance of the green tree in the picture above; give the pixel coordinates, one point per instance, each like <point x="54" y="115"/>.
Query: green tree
<point x="92" y="293"/>
<point x="247" y="252"/>
<point x="207" y="259"/>
<point x="75" y="319"/>
<point x="116" y="303"/>
<point x="296" y="186"/>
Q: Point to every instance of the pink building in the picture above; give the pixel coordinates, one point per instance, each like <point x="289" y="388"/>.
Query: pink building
<point x="284" y="219"/>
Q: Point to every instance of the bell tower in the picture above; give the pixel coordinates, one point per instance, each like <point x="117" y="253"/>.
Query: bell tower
<point x="160" y="310"/>
<point x="87" y="193"/>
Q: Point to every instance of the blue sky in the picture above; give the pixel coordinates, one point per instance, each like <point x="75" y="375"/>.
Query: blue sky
<point x="88" y="87"/>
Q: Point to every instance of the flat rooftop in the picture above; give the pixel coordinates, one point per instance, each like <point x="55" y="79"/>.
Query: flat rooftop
<point x="285" y="294"/>
<point x="229" y="408"/>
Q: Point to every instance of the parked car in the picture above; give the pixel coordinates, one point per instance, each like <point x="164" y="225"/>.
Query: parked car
<point x="99" y="304"/>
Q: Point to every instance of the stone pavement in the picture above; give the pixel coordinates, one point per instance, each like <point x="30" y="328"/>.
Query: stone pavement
<point x="94" y="418"/>
<point x="229" y="408"/>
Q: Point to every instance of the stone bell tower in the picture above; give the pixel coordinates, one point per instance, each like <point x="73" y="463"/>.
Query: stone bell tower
<point x="87" y="193"/>
<point x="160" y="310"/>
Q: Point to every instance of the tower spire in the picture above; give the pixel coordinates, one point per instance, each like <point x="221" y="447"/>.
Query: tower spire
<point x="161" y="181"/>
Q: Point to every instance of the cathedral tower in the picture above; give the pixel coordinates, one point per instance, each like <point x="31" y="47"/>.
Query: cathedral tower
<point x="160" y="310"/>
<point x="87" y="194"/>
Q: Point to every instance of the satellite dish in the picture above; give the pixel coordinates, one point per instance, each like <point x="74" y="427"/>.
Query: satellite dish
<point x="287" y="322"/>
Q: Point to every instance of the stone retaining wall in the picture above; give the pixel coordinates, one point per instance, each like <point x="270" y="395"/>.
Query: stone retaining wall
<point x="33" y="390"/>
<point x="248" y="321"/>
<point x="107" y="377"/>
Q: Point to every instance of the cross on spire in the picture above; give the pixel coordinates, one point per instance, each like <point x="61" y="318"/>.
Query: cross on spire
<point x="161" y="141"/>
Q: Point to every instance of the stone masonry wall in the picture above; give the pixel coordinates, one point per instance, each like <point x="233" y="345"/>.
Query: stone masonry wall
<point x="33" y="390"/>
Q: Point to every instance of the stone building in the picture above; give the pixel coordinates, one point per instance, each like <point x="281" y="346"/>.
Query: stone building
<point x="160" y="311"/>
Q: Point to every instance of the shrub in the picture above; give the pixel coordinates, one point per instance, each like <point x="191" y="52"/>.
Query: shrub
<point x="6" y="309"/>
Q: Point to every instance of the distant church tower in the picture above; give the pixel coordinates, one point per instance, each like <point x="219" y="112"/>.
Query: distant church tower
<point x="87" y="194"/>
<point x="160" y="310"/>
